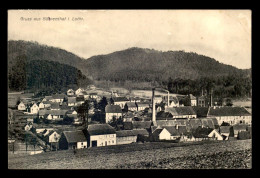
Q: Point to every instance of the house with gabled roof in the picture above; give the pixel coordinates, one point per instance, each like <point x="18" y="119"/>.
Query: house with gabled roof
<point x="193" y="100"/>
<point x="100" y="135"/>
<point x="239" y="128"/>
<point x="130" y="106"/>
<point x="73" y="140"/>
<point x="113" y="111"/>
<point x="143" y="105"/>
<point x="226" y="132"/>
<point x="181" y="112"/>
<point x="169" y="133"/>
<point x="70" y="92"/>
<point x="231" y="115"/>
<point x="58" y="98"/>
<point x="55" y="106"/>
<point x="21" y="106"/>
<point x="121" y="101"/>
<point x="72" y="101"/>
<point x="34" y="108"/>
<point x="215" y="134"/>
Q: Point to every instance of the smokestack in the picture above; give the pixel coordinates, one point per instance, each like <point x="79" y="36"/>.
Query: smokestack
<point x="211" y="102"/>
<point x="168" y="104"/>
<point x="153" y="109"/>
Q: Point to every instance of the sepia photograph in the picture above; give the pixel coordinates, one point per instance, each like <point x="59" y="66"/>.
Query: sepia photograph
<point x="129" y="89"/>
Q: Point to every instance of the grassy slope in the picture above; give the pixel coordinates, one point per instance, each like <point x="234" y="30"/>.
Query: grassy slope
<point x="121" y="156"/>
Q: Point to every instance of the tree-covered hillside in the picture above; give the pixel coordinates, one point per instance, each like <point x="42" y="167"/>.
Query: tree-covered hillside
<point x="37" y="74"/>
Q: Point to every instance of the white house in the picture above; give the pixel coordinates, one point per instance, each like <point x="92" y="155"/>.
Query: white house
<point x="41" y="105"/>
<point x="113" y="111"/>
<point x="58" y="98"/>
<point x="78" y="91"/>
<point x="193" y="100"/>
<point x="142" y="106"/>
<point x="231" y="115"/>
<point x="169" y="133"/>
<point x="70" y="92"/>
<point x="21" y="106"/>
<point x="131" y="106"/>
<point x="101" y="135"/>
<point x="215" y="134"/>
<point x="34" y="109"/>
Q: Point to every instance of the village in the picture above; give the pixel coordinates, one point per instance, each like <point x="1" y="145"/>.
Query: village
<point x="116" y="117"/>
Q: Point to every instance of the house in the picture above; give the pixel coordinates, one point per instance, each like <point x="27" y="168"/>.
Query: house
<point x="47" y="98"/>
<point x="53" y="138"/>
<point x="135" y="99"/>
<point x="231" y="115"/>
<point x="239" y="128"/>
<point x="58" y="98"/>
<point x="113" y="111"/>
<point x="55" y="106"/>
<point x="193" y="100"/>
<point x="28" y="127"/>
<point x="202" y="101"/>
<point x="70" y="92"/>
<point x="93" y="95"/>
<point x="80" y="100"/>
<point x="34" y="109"/>
<point x="155" y="134"/>
<point x="52" y="114"/>
<point x="130" y="106"/>
<point x="215" y="134"/>
<point x="169" y="133"/>
<point x="121" y="101"/>
<point x="78" y="91"/>
<point x="101" y="135"/>
<point x="173" y="101"/>
<point x="128" y="117"/>
<point x="181" y="112"/>
<point x="125" y="137"/>
<point x="142" y="105"/>
<point x="72" y="101"/>
<point x="85" y="95"/>
<point x="226" y="131"/>
<point x="200" y="111"/>
<point x="41" y="105"/>
<point x="46" y="104"/>
<point x="141" y="124"/>
<point x="21" y="106"/>
<point x="72" y="140"/>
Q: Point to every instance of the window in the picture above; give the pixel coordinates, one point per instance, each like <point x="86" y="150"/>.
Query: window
<point x="112" y="141"/>
<point x="81" y="143"/>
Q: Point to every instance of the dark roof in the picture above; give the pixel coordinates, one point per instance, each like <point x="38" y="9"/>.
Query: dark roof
<point x="131" y="104"/>
<point x="228" y="111"/>
<point x="119" y="99"/>
<point x="174" y="99"/>
<point x="182" y="129"/>
<point x="195" y="123"/>
<point x="58" y="96"/>
<point x="71" y="99"/>
<point x="141" y="124"/>
<point x="113" y="109"/>
<point x="162" y="114"/>
<point x="100" y="129"/>
<point x="207" y="122"/>
<point x="224" y="129"/>
<point x="200" y="111"/>
<point x="80" y="98"/>
<point x="185" y="110"/>
<point x="125" y="133"/>
<point x="156" y="132"/>
<point x="52" y="112"/>
<point x="74" y="136"/>
<point x="240" y="127"/>
<point x="55" y="106"/>
<point x="215" y="121"/>
<point x="163" y="123"/>
<point x="128" y="125"/>
<point x="172" y="130"/>
<point x="141" y="132"/>
<point x="202" y="132"/>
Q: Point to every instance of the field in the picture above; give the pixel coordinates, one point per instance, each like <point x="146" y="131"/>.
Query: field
<point x="224" y="154"/>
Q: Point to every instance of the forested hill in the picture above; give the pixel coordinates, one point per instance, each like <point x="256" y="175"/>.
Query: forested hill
<point x="35" y="51"/>
<point x="148" y="65"/>
<point x="134" y="64"/>
<point x="43" y="75"/>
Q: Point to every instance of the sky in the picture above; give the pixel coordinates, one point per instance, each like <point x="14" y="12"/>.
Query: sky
<point x="224" y="35"/>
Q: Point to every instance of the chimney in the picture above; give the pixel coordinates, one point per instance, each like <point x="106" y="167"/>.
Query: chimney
<point x="168" y="104"/>
<point x="211" y="100"/>
<point x="153" y="109"/>
<point x="176" y="126"/>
